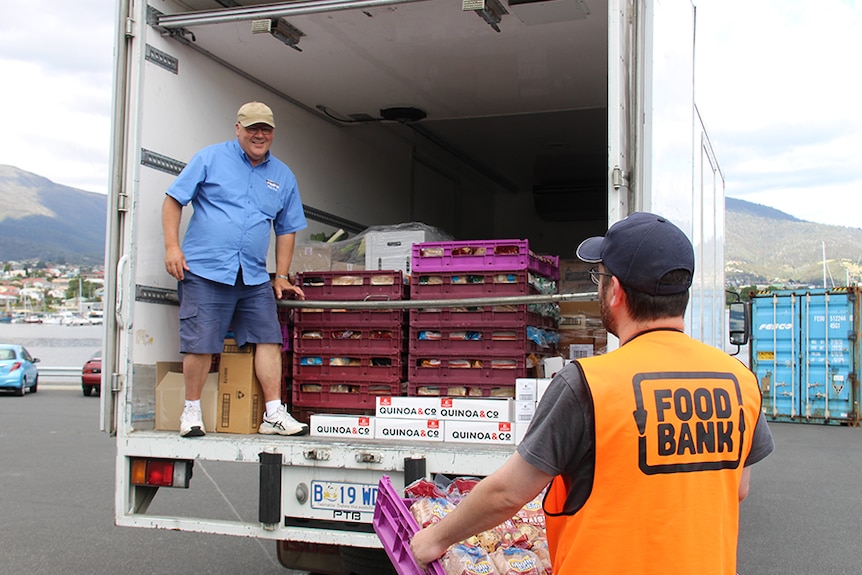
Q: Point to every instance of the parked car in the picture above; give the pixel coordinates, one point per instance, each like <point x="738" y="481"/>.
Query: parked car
<point x="18" y="370"/>
<point x="91" y="374"/>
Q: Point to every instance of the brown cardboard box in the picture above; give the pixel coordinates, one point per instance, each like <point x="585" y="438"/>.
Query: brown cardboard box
<point x="240" y="397"/>
<point x="311" y="258"/>
<point x="171" y="393"/>
<point x="575" y="277"/>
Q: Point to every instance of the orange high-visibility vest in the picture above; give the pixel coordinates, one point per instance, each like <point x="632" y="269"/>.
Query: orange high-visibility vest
<point x="674" y="421"/>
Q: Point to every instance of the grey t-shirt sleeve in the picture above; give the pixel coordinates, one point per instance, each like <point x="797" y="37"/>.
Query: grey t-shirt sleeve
<point x="762" y="443"/>
<point x="561" y="437"/>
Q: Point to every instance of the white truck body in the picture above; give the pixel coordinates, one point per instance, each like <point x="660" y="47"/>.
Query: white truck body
<point x="572" y="115"/>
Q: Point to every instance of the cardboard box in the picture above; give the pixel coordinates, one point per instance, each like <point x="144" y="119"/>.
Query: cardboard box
<point x="391" y="250"/>
<point x="524" y="411"/>
<point x="494" y="432"/>
<point x="412" y="429"/>
<point x="399" y="407"/>
<point x="171" y="395"/>
<point x="575" y="277"/>
<point x="311" y="258"/>
<point x="338" y="425"/>
<point x="445" y="408"/>
<point x="470" y="409"/>
<point x="240" y="397"/>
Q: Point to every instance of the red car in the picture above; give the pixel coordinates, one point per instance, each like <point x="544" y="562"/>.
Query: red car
<point x="91" y="374"/>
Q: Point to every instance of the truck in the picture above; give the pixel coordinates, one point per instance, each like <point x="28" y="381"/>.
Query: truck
<point x="546" y="120"/>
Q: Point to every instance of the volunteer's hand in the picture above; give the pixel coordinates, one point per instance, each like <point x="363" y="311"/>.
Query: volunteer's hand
<point x="284" y="288"/>
<point x="175" y="262"/>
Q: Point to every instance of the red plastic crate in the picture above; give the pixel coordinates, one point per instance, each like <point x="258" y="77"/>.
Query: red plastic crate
<point x="484" y="317"/>
<point x="358" y="285"/>
<point x="450" y="285"/>
<point x="342" y="395"/>
<point x="355" y="367"/>
<point x="395" y="526"/>
<point x="474" y="255"/>
<point x="482" y="341"/>
<point x="340" y="318"/>
<point x="367" y="340"/>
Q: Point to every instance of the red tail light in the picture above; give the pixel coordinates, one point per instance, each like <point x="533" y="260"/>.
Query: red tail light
<point x="15" y="366"/>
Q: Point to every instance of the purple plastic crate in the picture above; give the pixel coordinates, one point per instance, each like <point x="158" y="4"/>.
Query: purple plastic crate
<point x="484" y="317"/>
<point x="367" y="340"/>
<point x="464" y="342"/>
<point x="448" y="285"/>
<point x="327" y="366"/>
<point x="476" y="255"/>
<point x="383" y="285"/>
<point x="330" y="396"/>
<point x="395" y="526"/>
<point x="312" y="317"/>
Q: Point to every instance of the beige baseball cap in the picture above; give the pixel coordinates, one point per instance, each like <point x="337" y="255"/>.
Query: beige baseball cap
<point x="255" y="113"/>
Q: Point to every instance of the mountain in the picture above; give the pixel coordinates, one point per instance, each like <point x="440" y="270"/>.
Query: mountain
<point x="50" y="222"/>
<point x="55" y="223"/>
<point x="767" y="246"/>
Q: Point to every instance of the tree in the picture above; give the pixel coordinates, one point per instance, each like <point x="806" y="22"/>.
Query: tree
<point x="87" y="288"/>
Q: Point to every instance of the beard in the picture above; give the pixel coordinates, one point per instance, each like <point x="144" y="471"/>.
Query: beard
<point x="607" y="320"/>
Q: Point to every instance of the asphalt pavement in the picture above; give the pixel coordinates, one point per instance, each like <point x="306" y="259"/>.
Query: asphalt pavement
<point x="57" y="502"/>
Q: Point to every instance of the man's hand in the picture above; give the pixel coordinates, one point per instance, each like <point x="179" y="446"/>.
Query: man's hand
<point x="426" y="548"/>
<point x="175" y="262"/>
<point x="284" y="288"/>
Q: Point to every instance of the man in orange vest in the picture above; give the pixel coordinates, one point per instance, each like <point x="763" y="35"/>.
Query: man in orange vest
<point x="647" y="448"/>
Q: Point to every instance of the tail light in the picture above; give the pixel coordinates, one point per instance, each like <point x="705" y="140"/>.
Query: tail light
<point x="16" y="365"/>
<point x="161" y="472"/>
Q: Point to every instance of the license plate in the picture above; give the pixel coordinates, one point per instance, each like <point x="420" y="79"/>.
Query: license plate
<point x="343" y="496"/>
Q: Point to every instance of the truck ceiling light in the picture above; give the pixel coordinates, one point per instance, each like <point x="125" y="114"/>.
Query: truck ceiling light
<point x="287" y="33"/>
<point x="491" y="11"/>
<point x="161" y="472"/>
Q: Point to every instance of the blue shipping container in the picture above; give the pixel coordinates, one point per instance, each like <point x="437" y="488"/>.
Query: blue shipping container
<point x="805" y="352"/>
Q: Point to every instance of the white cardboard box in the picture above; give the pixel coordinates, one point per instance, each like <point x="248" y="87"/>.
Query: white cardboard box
<point x="476" y="409"/>
<point x="335" y="425"/>
<point x="413" y="429"/>
<point x="445" y="408"/>
<point x="525" y="389"/>
<point x="407" y="407"/>
<point x="524" y="411"/>
<point x="494" y="432"/>
<point x="391" y="250"/>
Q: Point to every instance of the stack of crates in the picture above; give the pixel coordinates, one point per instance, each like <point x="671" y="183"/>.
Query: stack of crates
<point x="479" y="351"/>
<point x="344" y="358"/>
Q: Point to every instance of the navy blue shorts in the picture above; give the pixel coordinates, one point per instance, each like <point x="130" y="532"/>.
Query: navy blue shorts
<point x="209" y="309"/>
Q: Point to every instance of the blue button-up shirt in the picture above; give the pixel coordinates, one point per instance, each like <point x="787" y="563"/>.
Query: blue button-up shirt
<point x="236" y="205"/>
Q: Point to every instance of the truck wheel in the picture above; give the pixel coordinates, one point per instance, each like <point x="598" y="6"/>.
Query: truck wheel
<point x="88" y="389"/>
<point x="364" y="561"/>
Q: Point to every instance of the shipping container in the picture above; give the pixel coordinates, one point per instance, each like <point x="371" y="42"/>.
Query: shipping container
<point x="805" y="353"/>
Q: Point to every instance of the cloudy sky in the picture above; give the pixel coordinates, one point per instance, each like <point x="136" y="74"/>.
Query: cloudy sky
<point x="778" y="85"/>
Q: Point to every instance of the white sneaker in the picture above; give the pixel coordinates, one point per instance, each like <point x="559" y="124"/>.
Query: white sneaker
<point x="282" y="424"/>
<point x="191" y="423"/>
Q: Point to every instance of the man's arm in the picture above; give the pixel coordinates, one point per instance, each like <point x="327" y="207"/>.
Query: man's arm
<point x="744" y="483"/>
<point x="175" y="260"/>
<point x="284" y="245"/>
<point x="492" y="501"/>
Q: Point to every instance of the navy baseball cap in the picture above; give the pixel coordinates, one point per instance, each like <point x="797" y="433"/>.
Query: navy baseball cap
<point x="639" y="250"/>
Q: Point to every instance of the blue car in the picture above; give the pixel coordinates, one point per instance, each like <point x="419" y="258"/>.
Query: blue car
<point x="18" y="370"/>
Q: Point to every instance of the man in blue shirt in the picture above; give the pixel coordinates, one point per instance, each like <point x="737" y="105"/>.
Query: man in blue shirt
<point x="239" y="192"/>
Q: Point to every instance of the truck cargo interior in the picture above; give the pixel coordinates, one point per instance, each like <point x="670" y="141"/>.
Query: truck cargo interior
<point x="501" y="111"/>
